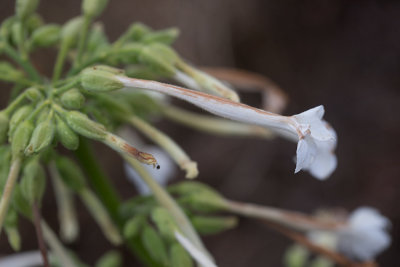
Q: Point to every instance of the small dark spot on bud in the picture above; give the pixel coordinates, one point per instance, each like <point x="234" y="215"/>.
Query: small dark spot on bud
<point x="158" y="167"/>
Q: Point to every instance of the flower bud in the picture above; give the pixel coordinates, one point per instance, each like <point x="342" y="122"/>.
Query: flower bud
<point x="109" y="69"/>
<point x="97" y="39"/>
<point x="33" y="94"/>
<point x="18" y="116"/>
<point x="16" y="32"/>
<point x="5" y="28"/>
<point x="20" y="202"/>
<point x="93" y="8"/>
<point x="68" y="138"/>
<point x="33" y="22"/>
<point x="33" y="181"/>
<point x="11" y="229"/>
<point x="42" y="137"/>
<point x="21" y="138"/>
<point x="137" y="31"/>
<point x="164" y="222"/>
<point x="213" y="224"/>
<point x="110" y="259"/>
<point x="9" y="73"/>
<point x="82" y="125"/>
<point x="157" y="61"/>
<point x="204" y="201"/>
<point x="70" y="31"/>
<point x="180" y="257"/>
<point x="133" y="226"/>
<point x="154" y="245"/>
<point x="71" y="174"/>
<point x="46" y="35"/>
<point x="73" y="99"/>
<point x="99" y="81"/>
<point x="4" y="120"/>
<point x="129" y="53"/>
<point x="167" y="36"/>
<point x="24" y="8"/>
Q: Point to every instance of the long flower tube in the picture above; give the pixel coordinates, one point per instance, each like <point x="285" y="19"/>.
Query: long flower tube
<point x="315" y="139"/>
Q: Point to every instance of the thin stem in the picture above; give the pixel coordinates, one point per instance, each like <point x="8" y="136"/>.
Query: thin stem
<point x="169" y="203"/>
<point x="24" y="63"/>
<point x="56" y="247"/>
<point x="39" y="234"/>
<point x="82" y="40"/>
<point x="99" y="181"/>
<point x="214" y="125"/>
<point x="301" y="239"/>
<point x="169" y="145"/>
<point x="293" y="220"/>
<point x="9" y="188"/>
<point x="62" y="54"/>
<point x="101" y="216"/>
<point x="15" y="103"/>
<point x="69" y="226"/>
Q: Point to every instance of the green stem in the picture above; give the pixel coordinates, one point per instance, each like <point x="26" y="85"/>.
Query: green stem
<point x="169" y="203"/>
<point x="24" y="62"/>
<point x="100" y="182"/>
<point x="8" y="189"/>
<point x="62" y="54"/>
<point x="15" y="103"/>
<point x="82" y="40"/>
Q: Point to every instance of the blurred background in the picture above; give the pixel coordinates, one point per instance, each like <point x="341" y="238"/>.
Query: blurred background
<point x="342" y="54"/>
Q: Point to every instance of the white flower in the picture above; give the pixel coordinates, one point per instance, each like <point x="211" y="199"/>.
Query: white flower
<point x="366" y="235"/>
<point x="197" y="255"/>
<point x="316" y="140"/>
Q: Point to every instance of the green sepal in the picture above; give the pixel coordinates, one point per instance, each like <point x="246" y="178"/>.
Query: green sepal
<point x="71" y="174"/>
<point x="179" y="256"/>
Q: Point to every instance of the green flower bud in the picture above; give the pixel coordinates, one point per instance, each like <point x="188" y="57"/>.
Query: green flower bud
<point x="4" y="120"/>
<point x="24" y="8"/>
<point x="68" y="138"/>
<point x="167" y="36"/>
<point x="204" y="202"/>
<point x="296" y="256"/>
<point x="100" y="81"/>
<point x="11" y="229"/>
<point x="154" y="245"/>
<point x="97" y="40"/>
<point x="71" y="174"/>
<point x="33" y="22"/>
<point x="190" y="187"/>
<point x="5" y="28"/>
<point x="18" y="116"/>
<point x="137" y="31"/>
<point x="33" y="94"/>
<point x="157" y="61"/>
<point x="45" y="36"/>
<point x="33" y="181"/>
<point x="73" y="99"/>
<point x="43" y="115"/>
<point x="133" y="226"/>
<point x="165" y="223"/>
<point x="110" y="259"/>
<point x="21" y="138"/>
<point x="82" y="125"/>
<point x="70" y="31"/>
<point x="42" y="137"/>
<point x="16" y="32"/>
<point x="141" y="72"/>
<point x="93" y="8"/>
<point x="20" y="203"/>
<point x="213" y="224"/>
<point x="128" y="53"/>
<point x="179" y="256"/>
<point x="9" y="73"/>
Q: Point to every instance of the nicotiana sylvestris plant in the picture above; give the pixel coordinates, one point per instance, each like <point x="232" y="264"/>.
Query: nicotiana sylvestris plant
<point x="98" y="86"/>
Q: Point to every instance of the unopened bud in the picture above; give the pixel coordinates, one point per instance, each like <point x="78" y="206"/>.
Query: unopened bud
<point x="99" y="81"/>
<point x="73" y="99"/>
<point x="9" y="73"/>
<point x="165" y="223"/>
<point x="20" y="202"/>
<point x="16" y="31"/>
<point x="110" y="259"/>
<point x="93" y="8"/>
<point x="205" y="202"/>
<point x="71" y="174"/>
<point x="129" y="53"/>
<point x="33" y="94"/>
<point x="97" y="38"/>
<point x="4" y="120"/>
<point x="11" y="229"/>
<point x="180" y="257"/>
<point x="33" y="181"/>
<point x="21" y="138"/>
<point x="157" y="61"/>
<point x="18" y="116"/>
<point x="109" y="69"/>
<point x="42" y="137"/>
<point x="45" y="36"/>
<point x="167" y="36"/>
<point x="82" y="125"/>
<point x="5" y="28"/>
<point x="24" y="8"/>
<point x="133" y="226"/>
<point x="137" y="31"/>
<point x="70" y="31"/>
<point x="212" y="225"/>
<point x="33" y="22"/>
<point x="68" y="138"/>
<point x="154" y="245"/>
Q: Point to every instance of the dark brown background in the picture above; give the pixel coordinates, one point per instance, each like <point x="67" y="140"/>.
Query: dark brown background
<point x="342" y="54"/>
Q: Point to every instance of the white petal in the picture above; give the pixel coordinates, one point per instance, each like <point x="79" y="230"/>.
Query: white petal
<point x="323" y="166"/>
<point x="306" y="151"/>
<point x="196" y="254"/>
